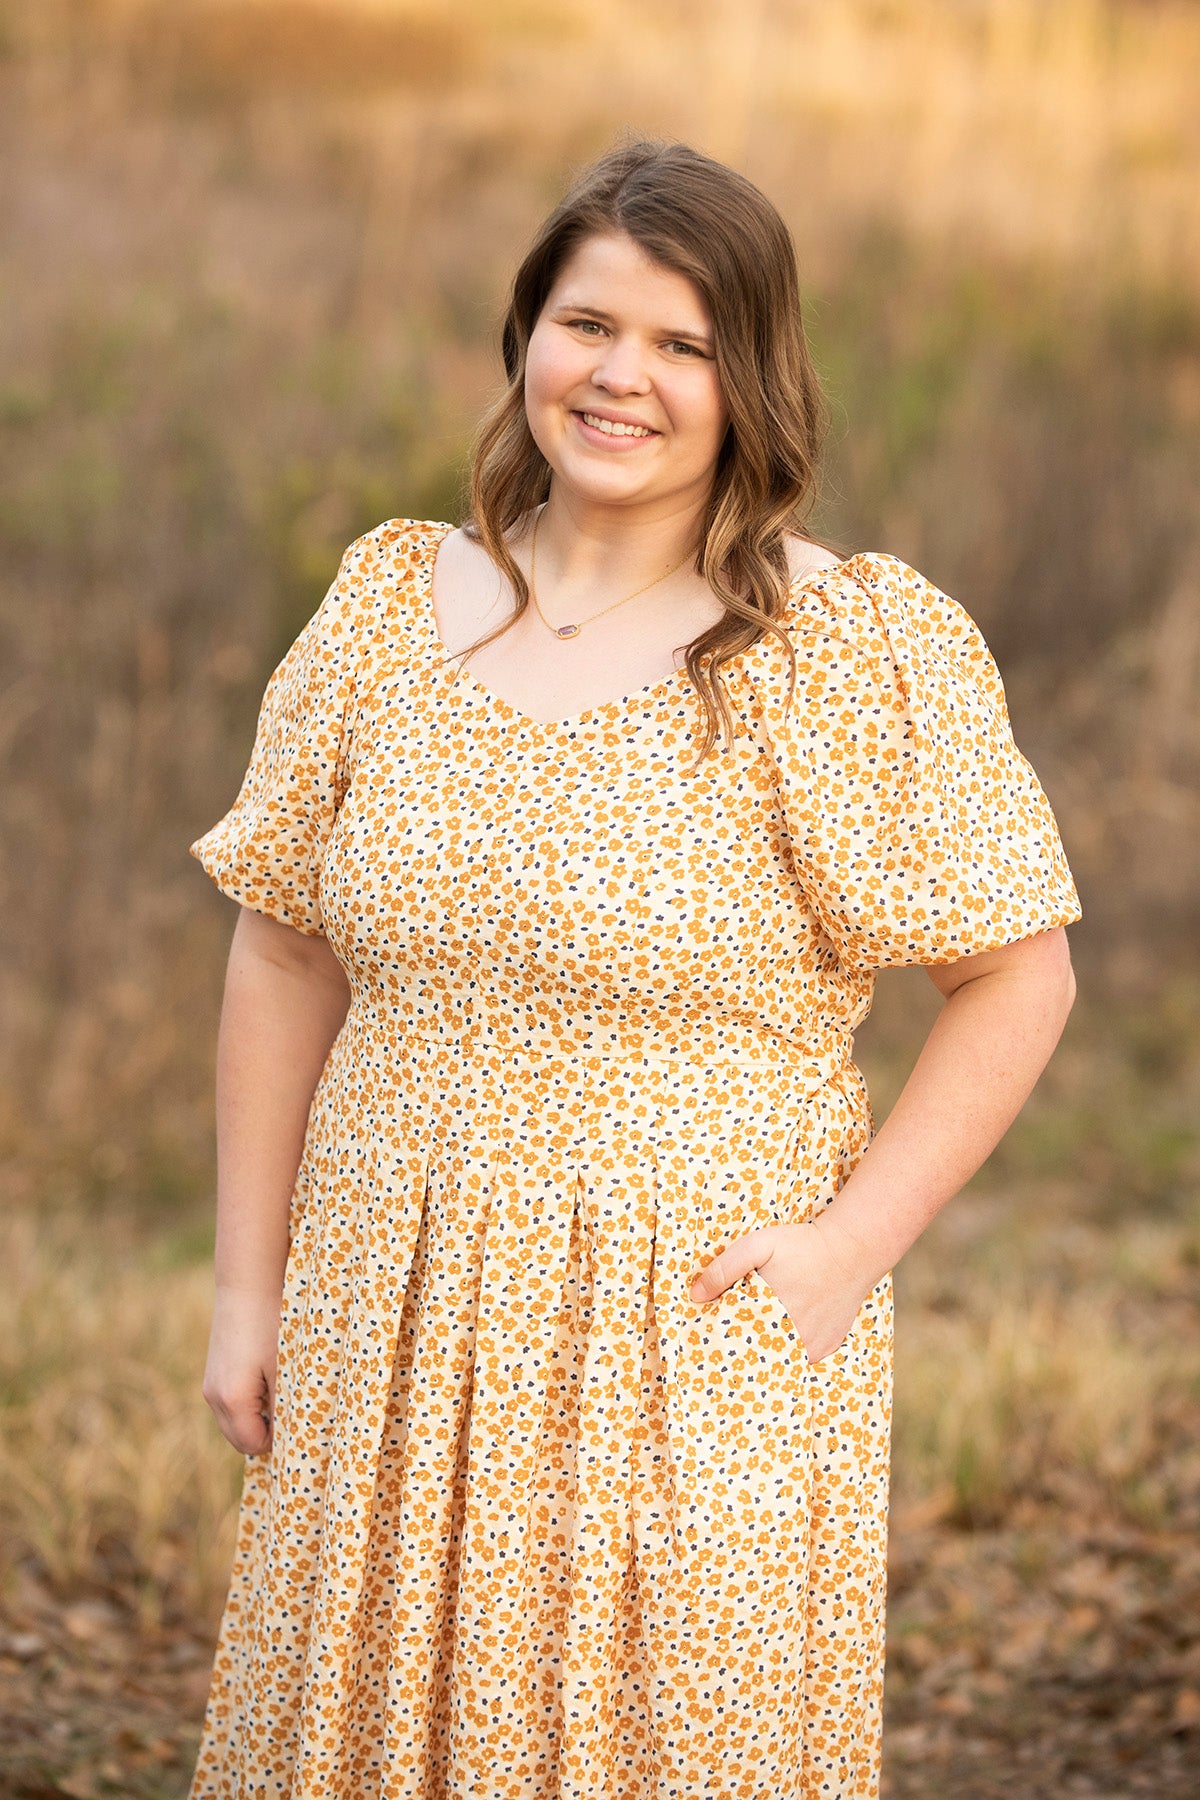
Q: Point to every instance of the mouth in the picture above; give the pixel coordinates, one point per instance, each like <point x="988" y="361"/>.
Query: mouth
<point x="597" y="428"/>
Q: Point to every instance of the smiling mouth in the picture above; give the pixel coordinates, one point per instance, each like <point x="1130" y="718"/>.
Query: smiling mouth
<point x="613" y="428"/>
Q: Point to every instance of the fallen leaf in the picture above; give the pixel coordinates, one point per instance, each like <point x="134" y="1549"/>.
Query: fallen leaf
<point x="1185" y="1714"/>
<point x="80" y="1784"/>
<point x="88" y="1620"/>
<point x="955" y="1704"/>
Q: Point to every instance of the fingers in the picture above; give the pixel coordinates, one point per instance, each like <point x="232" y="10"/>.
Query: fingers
<point x="711" y="1281"/>
<point x="246" y="1420"/>
<point x="269" y="1422"/>
<point x="820" y="1320"/>
<point x="247" y="1432"/>
<point x="729" y="1265"/>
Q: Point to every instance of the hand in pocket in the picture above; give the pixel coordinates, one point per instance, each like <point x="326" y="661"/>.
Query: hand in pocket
<point x="821" y="1296"/>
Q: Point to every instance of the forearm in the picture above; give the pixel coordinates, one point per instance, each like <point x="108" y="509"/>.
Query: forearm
<point x="978" y="1065"/>
<point x="278" y="1019"/>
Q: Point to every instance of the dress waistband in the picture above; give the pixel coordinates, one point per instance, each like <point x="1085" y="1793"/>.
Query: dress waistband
<point x="692" y="1061"/>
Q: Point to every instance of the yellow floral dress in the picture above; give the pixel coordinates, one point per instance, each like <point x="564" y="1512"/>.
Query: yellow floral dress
<point x="535" y="1525"/>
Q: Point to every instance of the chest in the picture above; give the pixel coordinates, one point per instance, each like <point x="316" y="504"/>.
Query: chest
<point x="591" y="851"/>
<point x="556" y="668"/>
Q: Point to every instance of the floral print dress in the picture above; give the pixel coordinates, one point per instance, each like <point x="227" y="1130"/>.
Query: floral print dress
<point x="535" y="1525"/>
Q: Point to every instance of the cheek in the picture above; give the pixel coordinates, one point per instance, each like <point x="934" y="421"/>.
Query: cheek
<point x="550" y="370"/>
<point x="703" y="405"/>
<point x="718" y="412"/>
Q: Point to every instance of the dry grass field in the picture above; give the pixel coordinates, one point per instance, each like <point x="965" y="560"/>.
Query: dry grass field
<point x="250" y="265"/>
<point x="1045" y="1561"/>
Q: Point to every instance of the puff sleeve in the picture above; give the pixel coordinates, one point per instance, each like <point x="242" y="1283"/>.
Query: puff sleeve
<point x="266" y="852"/>
<point x="917" y="828"/>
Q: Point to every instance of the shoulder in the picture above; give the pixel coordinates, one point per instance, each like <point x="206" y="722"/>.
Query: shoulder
<point x="876" y="601"/>
<point x="465" y="569"/>
<point x="806" y="557"/>
<point x="821" y="598"/>
<point x="390" y="553"/>
<point x="362" y="615"/>
<point x="377" y="574"/>
<point x="872" y="620"/>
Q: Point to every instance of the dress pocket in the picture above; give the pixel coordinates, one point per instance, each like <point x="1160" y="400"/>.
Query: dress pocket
<point x="758" y="1285"/>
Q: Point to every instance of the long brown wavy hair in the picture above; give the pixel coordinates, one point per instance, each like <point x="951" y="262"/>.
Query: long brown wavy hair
<point x="710" y="224"/>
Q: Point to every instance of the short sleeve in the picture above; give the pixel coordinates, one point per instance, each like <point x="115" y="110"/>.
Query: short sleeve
<point x="919" y="831"/>
<point x="266" y="852"/>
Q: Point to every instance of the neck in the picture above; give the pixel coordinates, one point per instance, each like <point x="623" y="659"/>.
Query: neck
<point x="584" y="548"/>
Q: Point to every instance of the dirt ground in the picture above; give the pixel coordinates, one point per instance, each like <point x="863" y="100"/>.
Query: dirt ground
<point x="1023" y="1664"/>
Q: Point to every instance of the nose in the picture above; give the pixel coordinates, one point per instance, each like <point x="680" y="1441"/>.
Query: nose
<point x="622" y="368"/>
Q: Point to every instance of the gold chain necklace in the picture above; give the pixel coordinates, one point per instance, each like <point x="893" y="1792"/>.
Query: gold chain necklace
<point x="569" y="631"/>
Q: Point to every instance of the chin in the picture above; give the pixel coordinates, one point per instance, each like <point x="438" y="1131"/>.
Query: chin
<point x="601" y="484"/>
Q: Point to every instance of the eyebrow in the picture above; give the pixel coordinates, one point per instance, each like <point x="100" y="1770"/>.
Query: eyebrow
<point x="598" y="312"/>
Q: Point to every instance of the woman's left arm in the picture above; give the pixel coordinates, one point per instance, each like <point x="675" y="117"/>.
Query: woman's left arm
<point x="1004" y="1013"/>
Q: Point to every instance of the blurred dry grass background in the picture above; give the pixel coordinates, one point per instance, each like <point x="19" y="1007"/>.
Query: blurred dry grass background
<point x="252" y="263"/>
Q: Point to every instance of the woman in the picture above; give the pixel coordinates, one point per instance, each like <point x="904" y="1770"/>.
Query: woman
<point x="544" y="1166"/>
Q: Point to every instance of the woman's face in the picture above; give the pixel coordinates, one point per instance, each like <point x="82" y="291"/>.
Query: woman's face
<point x="621" y="388"/>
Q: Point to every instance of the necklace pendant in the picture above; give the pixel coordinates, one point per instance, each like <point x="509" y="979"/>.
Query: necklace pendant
<point x="566" y="631"/>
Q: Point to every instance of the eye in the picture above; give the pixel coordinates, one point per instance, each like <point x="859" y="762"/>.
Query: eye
<point x="687" y="349"/>
<point x="587" y="325"/>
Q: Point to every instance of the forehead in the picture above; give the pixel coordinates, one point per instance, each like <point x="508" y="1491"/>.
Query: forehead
<point x="614" y="271"/>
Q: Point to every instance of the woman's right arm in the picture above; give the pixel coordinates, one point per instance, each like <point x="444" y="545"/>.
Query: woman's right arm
<point x="286" y="996"/>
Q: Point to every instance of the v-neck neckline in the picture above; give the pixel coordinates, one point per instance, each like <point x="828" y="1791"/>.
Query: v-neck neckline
<point x="605" y="709"/>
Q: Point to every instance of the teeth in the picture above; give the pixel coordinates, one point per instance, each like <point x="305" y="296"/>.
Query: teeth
<point x="615" y="429"/>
